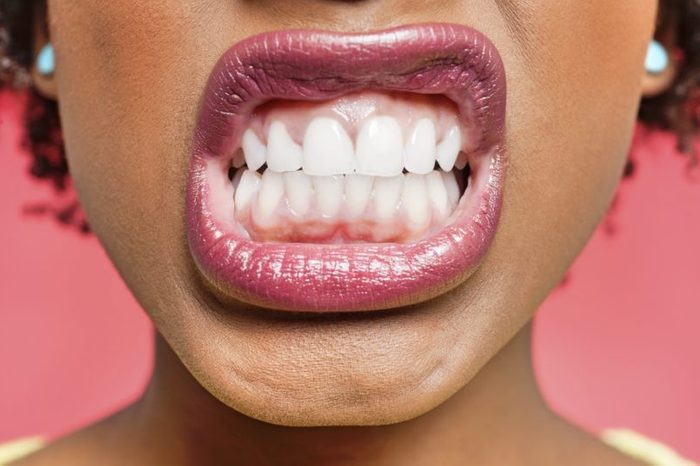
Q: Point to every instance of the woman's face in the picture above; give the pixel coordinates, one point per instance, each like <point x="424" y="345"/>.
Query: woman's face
<point x="131" y="79"/>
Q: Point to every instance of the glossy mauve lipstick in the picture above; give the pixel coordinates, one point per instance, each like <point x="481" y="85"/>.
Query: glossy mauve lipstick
<point x="455" y="61"/>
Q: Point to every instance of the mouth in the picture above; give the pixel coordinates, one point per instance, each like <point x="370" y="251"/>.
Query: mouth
<point x="348" y="172"/>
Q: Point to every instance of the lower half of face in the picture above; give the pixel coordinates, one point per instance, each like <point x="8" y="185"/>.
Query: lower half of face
<point x="335" y="228"/>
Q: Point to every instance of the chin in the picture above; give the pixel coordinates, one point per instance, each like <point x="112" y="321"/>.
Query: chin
<point x="333" y="396"/>
<point x="338" y="369"/>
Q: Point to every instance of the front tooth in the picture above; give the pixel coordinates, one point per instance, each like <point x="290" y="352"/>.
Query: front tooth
<point x="283" y="154"/>
<point x="448" y="149"/>
<point x="414" y="200"/>
<point x="254" y="151"/>
<point x="329" y="194"/>
<point x="420" y="149"/>
<point x="438" y="194"/>
<point x="358" y="189"/>
<point x="452" y="188"/>
<point x="271" y="192"/>
<point x="380" y="147"/>
<point x="299" y="191"/>
<point x="327" y="148"/>
<point x="387" y="193"/>
<point x="248" y="185"/>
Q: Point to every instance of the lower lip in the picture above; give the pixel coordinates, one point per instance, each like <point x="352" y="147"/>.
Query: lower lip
<point x="314" y="65"/>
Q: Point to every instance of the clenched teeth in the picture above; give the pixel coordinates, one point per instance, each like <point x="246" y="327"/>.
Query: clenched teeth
<point x="348" y="171"/>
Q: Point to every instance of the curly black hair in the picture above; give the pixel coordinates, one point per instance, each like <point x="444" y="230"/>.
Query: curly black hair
<point x="43" y="137"/>
<point x="677" y="110"/>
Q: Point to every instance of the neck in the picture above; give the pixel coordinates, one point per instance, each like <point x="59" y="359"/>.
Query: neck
<point x="494" y="417"/>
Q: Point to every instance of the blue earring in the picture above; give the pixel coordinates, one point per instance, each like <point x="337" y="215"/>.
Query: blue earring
<point x="657" y="58"/>
<point x="46" y="60"/>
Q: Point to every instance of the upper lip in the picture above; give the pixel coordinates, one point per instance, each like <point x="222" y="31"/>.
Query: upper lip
<point x="456" y="61"/>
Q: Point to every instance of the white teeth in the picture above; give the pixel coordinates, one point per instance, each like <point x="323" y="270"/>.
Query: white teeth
<point x="437" y="194"/>
<point x="253" y="150"/>
<point x="358" y="189"/>
<point x="380" y="147"/>
<point x="330" y="178"/>
<point x="327" y="148"/>
<point x="245" y="190"/>
<point x="452" y="188"/>
<point x="269" y="197"/>
<point x="420" y="149"/>
<point x="283" y="154"/>
<point x="329" y="194"/>
<point x="299" y="191"/>
<point x="387" y="193"/>
<point x="417" y="201"/>
<point x="449" y="148"/>
<point x="414" y="201"/>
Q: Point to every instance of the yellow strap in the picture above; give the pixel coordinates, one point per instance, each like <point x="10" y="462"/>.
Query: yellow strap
<point x="627" y="441"/>
<point x="18" y="448"/>
<point x="644" y="449"/>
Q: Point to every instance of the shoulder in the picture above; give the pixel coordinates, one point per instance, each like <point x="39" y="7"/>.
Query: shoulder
<point x="106" y="443"/>
<point x="628" y="442"/>
<point x="644" y="449"/>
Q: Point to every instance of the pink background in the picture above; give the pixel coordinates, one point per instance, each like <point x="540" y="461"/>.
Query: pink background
<point x="618" y="345"/>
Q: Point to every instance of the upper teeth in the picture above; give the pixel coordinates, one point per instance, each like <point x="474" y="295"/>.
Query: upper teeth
<point x="254" y="151"/>
<point x="327" y="149"/>
<point x="283" y="154"/>
<point x="448" y="149"/>
<point x="422" y="142"/>
<point x="381" y="148"/>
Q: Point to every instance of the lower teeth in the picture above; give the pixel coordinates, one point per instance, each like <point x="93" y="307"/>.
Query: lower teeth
<point x="296" y="207"/>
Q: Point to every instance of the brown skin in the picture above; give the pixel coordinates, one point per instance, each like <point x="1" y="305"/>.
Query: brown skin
<point x="450" y="370"/>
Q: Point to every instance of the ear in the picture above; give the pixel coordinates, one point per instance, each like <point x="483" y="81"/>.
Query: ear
<point x="661" y="69"/>
<point x="44" y="82"/>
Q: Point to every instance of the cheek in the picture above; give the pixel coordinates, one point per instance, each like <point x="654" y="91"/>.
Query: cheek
<point x="572" y="106"/>
<point x="128" y="80"/>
